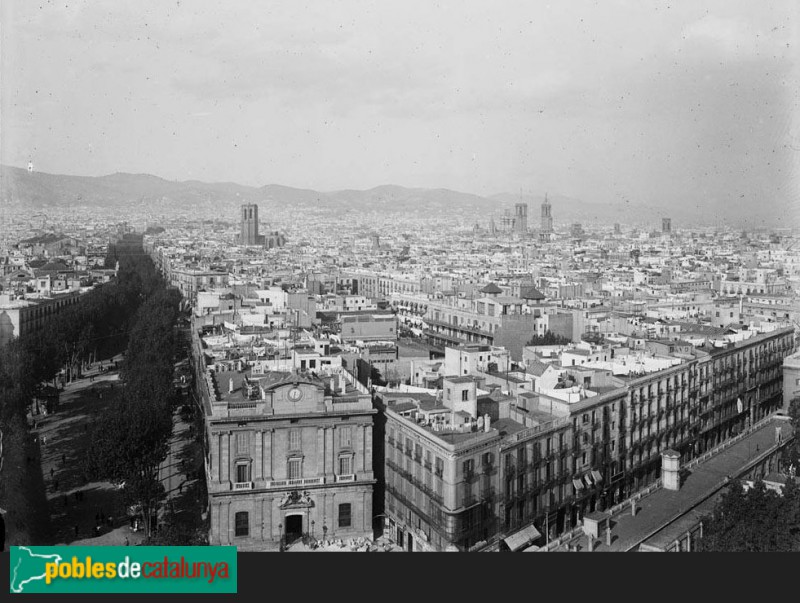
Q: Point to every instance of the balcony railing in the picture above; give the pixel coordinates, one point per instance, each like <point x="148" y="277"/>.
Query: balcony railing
<point x="350" y="477"/>
<point x="283" y="483"/>
<point x="243" y="485"/>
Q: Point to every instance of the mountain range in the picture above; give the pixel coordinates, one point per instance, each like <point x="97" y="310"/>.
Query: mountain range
<point x="41" y="190"/>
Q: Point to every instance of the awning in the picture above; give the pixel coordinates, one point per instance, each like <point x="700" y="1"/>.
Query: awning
<point x="588" y="479"/>
<point x="578" y="485"/>
<point x="598" y="477"/>
<point x="523" y="537"/>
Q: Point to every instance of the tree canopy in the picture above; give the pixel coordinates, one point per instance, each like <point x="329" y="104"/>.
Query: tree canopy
<point x="759" y="519"/>
<point x="549" y="338"/>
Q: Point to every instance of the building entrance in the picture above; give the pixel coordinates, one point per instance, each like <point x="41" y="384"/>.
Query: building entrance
<point x="294" y="528"/>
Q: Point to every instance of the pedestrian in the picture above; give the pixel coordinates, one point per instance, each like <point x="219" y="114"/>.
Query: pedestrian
<point x="127" y="542"/>
<point x="180" y="488"/>
<point x="44" y="440"/>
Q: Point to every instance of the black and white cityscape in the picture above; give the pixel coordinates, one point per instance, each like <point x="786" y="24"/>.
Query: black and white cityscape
<point x="400" y="276"/>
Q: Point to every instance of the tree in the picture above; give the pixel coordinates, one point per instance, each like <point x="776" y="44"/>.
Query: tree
<point x="791" y="454"/>
<point x="377" y="378"/>
<point x="758" y="520"/>
<point x="549" y="338"/>
<point x="129" y="443"/>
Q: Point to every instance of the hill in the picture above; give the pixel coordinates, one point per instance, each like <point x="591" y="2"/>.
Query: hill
<point x="40" y="190"/>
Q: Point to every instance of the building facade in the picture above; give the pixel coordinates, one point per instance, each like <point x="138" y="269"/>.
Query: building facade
<point x="22" y="316"/>
<point x="248" y="234"/>
<point x="287" y="455"/>
<point x="546" y="462"/>
<point x="521" y="219"/>
<point x="547" y="221"/>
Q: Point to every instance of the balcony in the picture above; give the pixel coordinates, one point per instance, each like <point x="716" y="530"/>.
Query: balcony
<point x="242" y="485"/>
<point x="350" y="477"/>
<point x="284" y="483"/>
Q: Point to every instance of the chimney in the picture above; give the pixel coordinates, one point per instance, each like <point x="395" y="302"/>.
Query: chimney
<point x="343" y="383"/>
<point x="230" y="385"/>
<point x="487" y="420"/>
<point x="333" y="384"/>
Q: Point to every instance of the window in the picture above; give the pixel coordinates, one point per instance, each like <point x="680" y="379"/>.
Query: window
<point x="585" y="418"/>
<point x="439" y="466"/>
<point x="345" y="437"/>
<point x="465" y="395"/>
<point x="242" y="442"/>
<point x="469" y="467"/>
<point x="295" y="440"/>
<point x="345" y="515"/>
<point x="242" y="472"/>
<point x="242" y="521"/>
<point x="345" y="465"/>
<point x="295" y="468"/>
<point x="583" y="459"/>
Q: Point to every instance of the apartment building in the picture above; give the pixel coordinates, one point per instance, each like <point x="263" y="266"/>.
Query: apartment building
<point x="19" y="316"/>
<point x="550" y="457"/>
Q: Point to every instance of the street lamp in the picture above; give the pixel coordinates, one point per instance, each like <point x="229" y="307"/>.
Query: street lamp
<point x="280" y="535"/>
<point x="312" y="530"/>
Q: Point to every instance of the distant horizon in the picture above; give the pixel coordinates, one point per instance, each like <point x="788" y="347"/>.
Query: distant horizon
<point x="685" y="106"/>
<point x="328" y="191"/>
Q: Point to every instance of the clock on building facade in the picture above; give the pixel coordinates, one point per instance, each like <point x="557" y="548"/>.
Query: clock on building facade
<point x="295" y="394"/>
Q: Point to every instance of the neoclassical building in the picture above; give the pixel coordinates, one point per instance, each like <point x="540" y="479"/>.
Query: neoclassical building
<point x="287" y="454"/>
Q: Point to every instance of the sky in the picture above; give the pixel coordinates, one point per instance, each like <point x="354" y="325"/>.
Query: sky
<point x="648" y="102"/>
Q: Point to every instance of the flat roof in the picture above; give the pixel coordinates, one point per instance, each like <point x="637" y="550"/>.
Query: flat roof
<point x="460" y="379"/>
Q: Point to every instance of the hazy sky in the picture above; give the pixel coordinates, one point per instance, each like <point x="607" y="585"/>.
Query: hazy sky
<point x="646" y="101"/>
